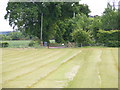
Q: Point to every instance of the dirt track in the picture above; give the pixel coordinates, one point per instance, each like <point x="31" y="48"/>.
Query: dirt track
<point x="60" y="68"/>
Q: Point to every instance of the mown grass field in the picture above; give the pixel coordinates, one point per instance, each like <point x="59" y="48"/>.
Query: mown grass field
<point x="59" y="68"/>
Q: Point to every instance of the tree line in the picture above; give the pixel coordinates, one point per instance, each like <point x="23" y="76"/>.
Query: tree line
<point x="65" y="22"/>
<point x="15" y="35"/>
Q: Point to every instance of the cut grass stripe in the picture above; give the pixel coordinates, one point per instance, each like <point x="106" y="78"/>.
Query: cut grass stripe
<point x="37" y="62"/>
<point x="41" y="72"/>
<point x="87" y="76"/>
<point x="60" y="68"/>
<point x="66" y="71"/>
<point x="108" y="71"/>
<point x="56" y="68"/>
<point x="25" y="59"/>
<point x="27" y="53"/>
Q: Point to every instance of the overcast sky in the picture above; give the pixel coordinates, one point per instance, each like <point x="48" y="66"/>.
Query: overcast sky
<point x="96" y="6"/>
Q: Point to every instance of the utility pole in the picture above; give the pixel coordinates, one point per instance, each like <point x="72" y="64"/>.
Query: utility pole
<point x="41" y="29"/>
<point x="119" y="5"/>
<point x="113" y="4"/>
<point x="41" y="25"/>
<point x="73" y="14"/>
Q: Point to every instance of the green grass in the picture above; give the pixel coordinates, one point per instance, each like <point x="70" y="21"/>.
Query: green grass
<point x="60" y="68"/>
<point x="18" y="43"/>
<point x="97" y="47"/>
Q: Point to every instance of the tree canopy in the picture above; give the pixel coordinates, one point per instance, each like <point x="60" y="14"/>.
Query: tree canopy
<point x="110" y="18"/>
<point x="26" y="16"/>
<point x="65" y="22"/>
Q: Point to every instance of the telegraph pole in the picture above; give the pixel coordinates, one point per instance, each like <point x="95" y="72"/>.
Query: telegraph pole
<point x="73" y="14"/>
<point x="41" y="29"/>
<point x="119" y="5"/>
<point x="41" y="25"/>
<point x="113" y="4"/>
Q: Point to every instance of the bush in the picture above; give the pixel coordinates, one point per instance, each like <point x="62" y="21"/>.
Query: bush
<point x="34" y="43"/>
<point x="109" y="38"/>
<point x="31" y="44"/>
<point x="81" y="37"/>
<point x="4" y="44"/>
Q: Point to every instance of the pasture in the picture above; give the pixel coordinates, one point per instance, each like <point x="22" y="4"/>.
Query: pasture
<point x="18" y="43"/>
<point x="59" y="68"/>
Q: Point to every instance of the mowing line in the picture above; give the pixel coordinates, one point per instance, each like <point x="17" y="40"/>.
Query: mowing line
<point x="109" y="73"/>
<point x="24" y="55"/>
<point x="30" y="71"/>
<point x="22" y="69"/>
<point x="98" y="70"/>
<point x="62" y="63"/>
<point x="20" y="63"/>
<point x="11" y="52"/>
<point x="87" y="76"/>
<point x="35" y="74"/>
<point x="34" y="62"/>
<point x="89" y="68"/>
<point x="115" y="60"/>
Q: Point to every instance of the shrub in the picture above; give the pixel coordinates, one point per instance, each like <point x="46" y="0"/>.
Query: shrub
<point x="33" y="43"/>
<point x="4" y="44"/>
<point x="109" y="38"/>
<point x="81" y="37"/>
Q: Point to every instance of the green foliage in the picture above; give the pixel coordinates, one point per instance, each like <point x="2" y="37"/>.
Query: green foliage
<point x="118" y="22"/>
<point x="27" y="16"/>
<point x="5" y="37"/>
<point x="110" y="18"/>
<point x="4" y="44"/>
<point x="63" y="30"/>
<point x="60" y="30"/>
<point x="71" y="26"/>
<point x="64" y="22"/>
<point x="81" y="37"/>
<point x="83" y="8"/>
<point x="81" y="33"/>
<point x="16" y="35"/>
<point x="34" y="44"/>
<point x="95" y="26"/>
<point x="109" y="38"/>
<point x="31" y="44"/>
<point x="82" y="22"/>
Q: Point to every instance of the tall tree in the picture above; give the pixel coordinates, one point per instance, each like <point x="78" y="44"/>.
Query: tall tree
<point x="27" y="16"/>
<point x="82" y="21"/>
<point x="63" y="30"/>
<point x="95" y="26"/>
<point x="110" y="18"/>
<point x="81" y="33"/>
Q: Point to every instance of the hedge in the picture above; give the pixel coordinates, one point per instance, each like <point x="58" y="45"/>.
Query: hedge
<point x="109" y="38"/>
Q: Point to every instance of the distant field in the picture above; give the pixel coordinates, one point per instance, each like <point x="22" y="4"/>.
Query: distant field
<point x="18" y="43"/>
<point x="60" y="68"/>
